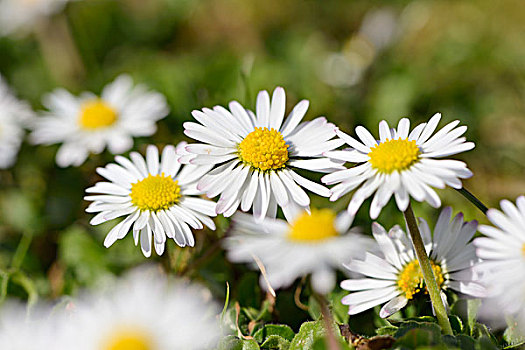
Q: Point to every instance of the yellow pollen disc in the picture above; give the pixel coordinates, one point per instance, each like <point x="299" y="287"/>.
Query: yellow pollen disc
<point x="264" y="149"/>
<point x="96" y="114"/>
<point x="155" y="193"/>
<point x="523" y="249"/>
<point x="410" y="279"/>
<point x="128" y="340"/>
<point x="394" y="155"/>
<point x="313" y="227"/>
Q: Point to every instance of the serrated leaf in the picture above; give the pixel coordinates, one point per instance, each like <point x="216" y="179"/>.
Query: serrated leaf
<point x="405" y="327"/>
<point x="387" y="330"/>
<point x="275" y="342"/>
<point x="307" y="335"/>
<point x="232" y="342"/>
<point x="472" y="312"/>
<point x="485" y="343"/>
<point x="320" y="344"/>
<point x="268" y="330"/>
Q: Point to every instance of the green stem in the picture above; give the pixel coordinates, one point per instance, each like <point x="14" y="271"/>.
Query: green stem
<point x="473" y="199"/>
<point x="21" y="251"/>
<point x="331" y="341"/>
<point x="426" y="270"/>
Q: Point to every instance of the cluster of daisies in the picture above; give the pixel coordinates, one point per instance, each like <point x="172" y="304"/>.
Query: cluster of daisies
<point x="257" y="162"/>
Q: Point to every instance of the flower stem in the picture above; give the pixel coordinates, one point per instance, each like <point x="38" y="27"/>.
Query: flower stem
<point x="331" y="341"/>
<point x="473" y="199"/>
<point x="426" y="270"/>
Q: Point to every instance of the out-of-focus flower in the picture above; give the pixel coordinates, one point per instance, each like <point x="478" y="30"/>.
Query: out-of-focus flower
<point x="23" y="15"/>
<point x="396" y="277"/>
<point x="156" y="198"/>
<point x="145" y="311"/>
<point x="316" y="244"/>
<point x="89" y="123"/>
<point x="37" y="330"/>
<point x="255" y="155"/>
<point x="400" y="164"/>
<point x="13" y="115"/>
<point x="503" y="254"/>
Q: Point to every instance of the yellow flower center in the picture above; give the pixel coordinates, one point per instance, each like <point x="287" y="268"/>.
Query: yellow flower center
<point x="155" y="193"/>
<point x="264" y="149"/>
<point x="129" y="340"/>
<point x="394" y="155"/>
<point x="96" y="114"/>
<point x="523" y="249"/>
<point x="313" y="227"/>
<point x="410" y="280"/>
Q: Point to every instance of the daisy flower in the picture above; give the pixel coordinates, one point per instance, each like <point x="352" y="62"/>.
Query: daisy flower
<point x="402" y="164"/>
<point x="13" y="114"/>
<point x="396" y="278"/>
<point x="255" y="155"/>
<point x="145" y="311"/>
<point x="503" y="254"/>
<point x="87" y="124"/>
<point x="157" y="199"/>
<point x="20" y="15"/>
<point x="37" y="330"/>
<point x="315" y="244"/>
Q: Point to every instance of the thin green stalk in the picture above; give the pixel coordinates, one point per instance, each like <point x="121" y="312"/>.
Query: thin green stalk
<point x="426" y="270"/>
<point x="473" y="199"/>
<point x="331" y="340"/>
<point x="21" y="250"/>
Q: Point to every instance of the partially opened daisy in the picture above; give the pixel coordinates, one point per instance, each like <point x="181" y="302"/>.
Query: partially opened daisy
<point x="88" y="124"/>
<point x="14" y="114"/>
<point x="145" y="311"/>
<point x="255" y="154"/>
<point x="503" y="254"/>
<point x="395" y="278"/>
<point x="158" y="199"/>
<point x="315" y="244"/>
<point x="401" y="163"/>
<point x="21" y="16"/>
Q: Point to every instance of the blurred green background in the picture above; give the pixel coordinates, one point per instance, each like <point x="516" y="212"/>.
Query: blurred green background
<point x="358" y="62"/>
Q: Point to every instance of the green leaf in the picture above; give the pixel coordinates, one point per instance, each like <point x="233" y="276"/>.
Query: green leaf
<point x="387" y="330"/>
<point x="456" y="323"/>
<point x="307" y="335"/>
<point x="485" y="343"/>
<point x="232" y="342"/>
<point x="314" y="309"/>
<point x="320" y="344"/>
<point x="339" y="310"/>
<point x="275" y="342"/>
<point x="417" y="337"/>
<point x="268" y="330"/>
<point x="472" y="312"/>
<point x="512" y="335"/>
<point x="407" y="326"/>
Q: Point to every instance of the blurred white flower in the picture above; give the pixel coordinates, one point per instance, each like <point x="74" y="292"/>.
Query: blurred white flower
<point x="89" y="123"/>
<point x="396" y="277"/>
<point x="23" y="15"/>
<point x="316" y="244"/>
<point x="503" y="254"/>
<point x="401" y="164"/>
<point x="255" y="155"/>
<point x="156" y="198"/>
<point x="14" y="114"/>
<point x="145" y="311"/>
<point x="34" y="330"/>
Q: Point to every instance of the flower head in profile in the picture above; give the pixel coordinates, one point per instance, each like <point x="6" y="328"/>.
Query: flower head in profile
<point x="255" y="155"/>
<point x="396" y="277"/>
<point x="87" y="124"/>
<point x="14" y="114"/>
<point x="21" y="16"/>
<point x="315" y="243"/>
<point x="148" y="312"/>
<point x="402" y="163"/>
<point x="503" y="254"/>
<point x="156" y="197"/>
